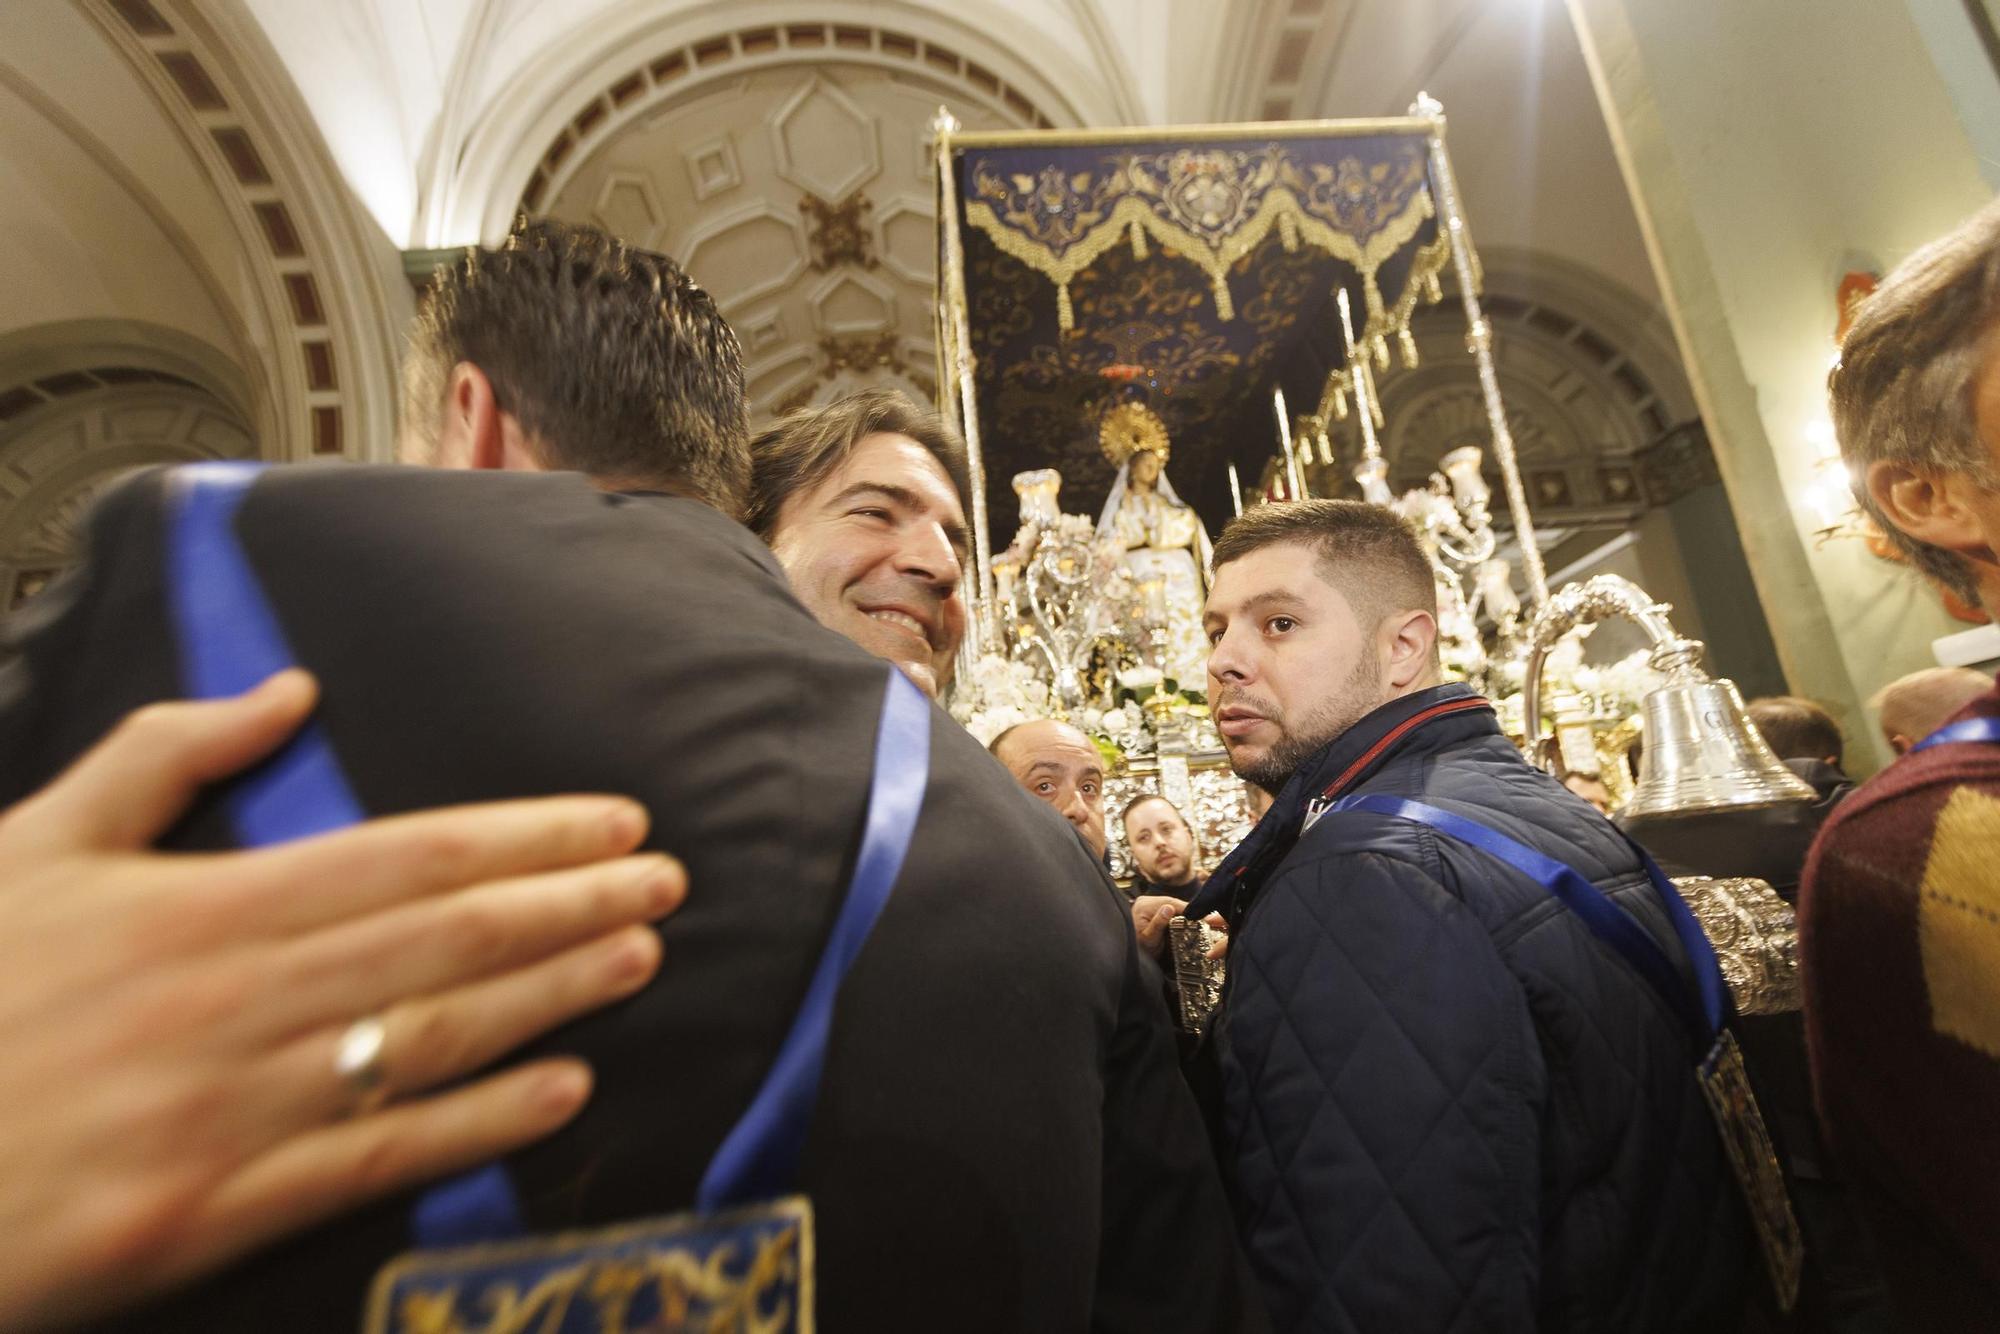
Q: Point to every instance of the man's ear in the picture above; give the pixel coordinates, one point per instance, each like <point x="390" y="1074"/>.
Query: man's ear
<point x="1933" y="507"/>
<point x="476" y="432"/>
<point x="1409" y="644"/>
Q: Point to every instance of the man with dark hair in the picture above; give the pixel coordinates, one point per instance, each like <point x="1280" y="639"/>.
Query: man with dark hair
<point x="1445" y="1102"/>
<point x="1767" y="843"/>
<point x="1797" y="729"/>
<point x="1164" y="873"/>
<point x="863" y="502"/>
<point x="1163" y="847"/>
<point x="488" y="634"/>
<point x="646" y="395"/>
<point x="1898" y="940"/>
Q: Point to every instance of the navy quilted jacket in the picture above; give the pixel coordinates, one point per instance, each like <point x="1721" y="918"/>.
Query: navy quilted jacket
<point x="1445" y="1104"/>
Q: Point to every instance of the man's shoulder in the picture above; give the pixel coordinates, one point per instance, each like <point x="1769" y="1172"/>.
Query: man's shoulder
<point x="1890" y="820"/>
<point x="1483" y="781"/>
<point x="457" y="506"/>
<point x="427" y="511"/>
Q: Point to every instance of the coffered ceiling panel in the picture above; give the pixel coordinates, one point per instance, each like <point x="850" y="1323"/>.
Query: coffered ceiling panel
<point x="801" y="197"/>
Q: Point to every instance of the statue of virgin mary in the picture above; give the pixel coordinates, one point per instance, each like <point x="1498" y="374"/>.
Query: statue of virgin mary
<point x="1162" y="535"/>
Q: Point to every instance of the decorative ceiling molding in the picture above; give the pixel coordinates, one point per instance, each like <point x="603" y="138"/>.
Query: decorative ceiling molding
<point x="320" y="301"/>
<point x="85" y="429"/>
<point x="477" y="189"/>
<point x="838" y="233"/>
<point x="676" y="74"/>
<point x="1582" y="409"/>
<point x="798" y="193"/>
<point x="56" y="350"/>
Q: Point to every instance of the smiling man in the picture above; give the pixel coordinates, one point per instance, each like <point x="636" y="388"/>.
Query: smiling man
<point x="1445" y="1103"/>
<point x="863" y="502"/>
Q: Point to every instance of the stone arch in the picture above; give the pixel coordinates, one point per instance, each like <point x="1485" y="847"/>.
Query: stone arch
<point x="322" y="321"/>
<point x="86" y="427"/>
<point x="594" y="82"/>
<point x="1589" y="381"/>
<point x="52" y="351"/>
<point x="791" y="174"/>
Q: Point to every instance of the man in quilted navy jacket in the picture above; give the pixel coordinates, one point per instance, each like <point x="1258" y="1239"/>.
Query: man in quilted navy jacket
<point x="1445" y="1103"/>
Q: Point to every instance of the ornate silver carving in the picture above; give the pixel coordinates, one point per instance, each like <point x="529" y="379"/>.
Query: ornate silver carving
<point x="1197" y="978"/>
<point x="1756" y="940"/>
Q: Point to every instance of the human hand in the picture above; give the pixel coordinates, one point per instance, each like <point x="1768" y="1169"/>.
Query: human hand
<point x="168" y="1027"/>
<point x="1219" y="947"/>
<point x="1150" y="915"/>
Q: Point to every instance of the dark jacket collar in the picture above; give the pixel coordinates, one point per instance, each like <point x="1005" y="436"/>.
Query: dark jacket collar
<point x="1828" y="781"/>
<point x="1141" y="885"/>
<point x="1338" y="767"/>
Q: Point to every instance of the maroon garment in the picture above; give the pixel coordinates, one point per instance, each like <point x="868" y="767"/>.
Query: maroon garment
<point x="1899" y="942"/>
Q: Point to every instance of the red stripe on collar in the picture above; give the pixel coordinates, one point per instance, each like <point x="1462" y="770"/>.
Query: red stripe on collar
<point x="1397" y="733"/>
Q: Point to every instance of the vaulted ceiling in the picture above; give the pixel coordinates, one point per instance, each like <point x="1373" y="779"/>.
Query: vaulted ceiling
<point x="230" y="204"/>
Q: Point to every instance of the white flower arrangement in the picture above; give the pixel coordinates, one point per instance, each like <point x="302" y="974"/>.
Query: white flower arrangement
<point x="997" y="694"/>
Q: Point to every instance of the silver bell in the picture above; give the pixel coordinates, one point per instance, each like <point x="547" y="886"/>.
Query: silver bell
<point x="1702" y="753"/>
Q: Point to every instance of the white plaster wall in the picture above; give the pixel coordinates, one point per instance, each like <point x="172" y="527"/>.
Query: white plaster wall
<point x="373" y="74"/>
<point x="1779" y="144"/>
<point x="134" y="225"/>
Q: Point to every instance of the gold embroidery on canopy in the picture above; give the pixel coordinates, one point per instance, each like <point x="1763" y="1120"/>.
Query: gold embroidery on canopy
<point x="1058" y="225"/>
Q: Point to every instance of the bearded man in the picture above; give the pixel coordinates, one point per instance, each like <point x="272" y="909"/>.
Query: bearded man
<point x="1445" y="1103"/>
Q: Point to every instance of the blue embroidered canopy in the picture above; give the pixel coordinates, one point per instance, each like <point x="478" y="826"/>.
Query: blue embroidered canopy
<point x="1193" y="271"/>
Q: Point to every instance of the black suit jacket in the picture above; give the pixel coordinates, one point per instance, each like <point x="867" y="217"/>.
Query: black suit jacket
<point x="1001" y="1139"/>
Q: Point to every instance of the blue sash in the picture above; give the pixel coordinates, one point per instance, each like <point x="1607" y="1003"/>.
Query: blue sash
<point x="1719" y="1072"/>
<point x="1703" y="1012"/>
<point x="1971" y="729"/>
<point x="230" y="640"/>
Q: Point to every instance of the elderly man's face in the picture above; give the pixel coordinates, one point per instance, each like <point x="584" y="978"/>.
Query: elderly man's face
<point x="1986" y="503"/>
<point x="1059" y="765"/>
<point x="1955" y="509"/>
<point x="874" y="551"/>
<point x="1161" y="842"/>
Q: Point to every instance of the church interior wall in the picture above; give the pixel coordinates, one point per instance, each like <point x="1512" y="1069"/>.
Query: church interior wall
<point x="1765" y="166"/>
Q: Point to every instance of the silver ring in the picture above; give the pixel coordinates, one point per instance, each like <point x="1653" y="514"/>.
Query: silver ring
<point x="358" y="1059"/>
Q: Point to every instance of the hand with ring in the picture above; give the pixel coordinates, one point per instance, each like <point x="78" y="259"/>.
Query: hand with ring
<point x="202" y="1052"/>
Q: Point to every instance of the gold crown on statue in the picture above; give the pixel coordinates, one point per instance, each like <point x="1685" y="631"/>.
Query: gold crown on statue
<point x="1129" y="428"/>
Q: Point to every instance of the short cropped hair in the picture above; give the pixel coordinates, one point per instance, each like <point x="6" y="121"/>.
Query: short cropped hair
<point x="1796" y="729"/>
<point x="1916" y="705"/>
<point x="1370" y="553"/>
<point x="1145" y="797"/>
<point x="1000" y="737"/>
<point x="1902" y="389"/>
<point x="611" y="358"/>
<point x="802" y="448"/>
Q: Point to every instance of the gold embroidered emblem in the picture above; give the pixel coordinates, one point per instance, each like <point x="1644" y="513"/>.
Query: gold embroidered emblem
<point x="744" y="1271"/>
<point x="1958" y="922"/>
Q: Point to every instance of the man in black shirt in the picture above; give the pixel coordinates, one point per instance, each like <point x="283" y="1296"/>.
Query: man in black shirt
<point x="999" y="1138"/>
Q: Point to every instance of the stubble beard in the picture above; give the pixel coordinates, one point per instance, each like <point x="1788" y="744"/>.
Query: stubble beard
<point x="1359" y="695"/>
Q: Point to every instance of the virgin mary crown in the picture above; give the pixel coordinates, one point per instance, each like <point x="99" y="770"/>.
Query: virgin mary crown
<point x="1130" y="428"/>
